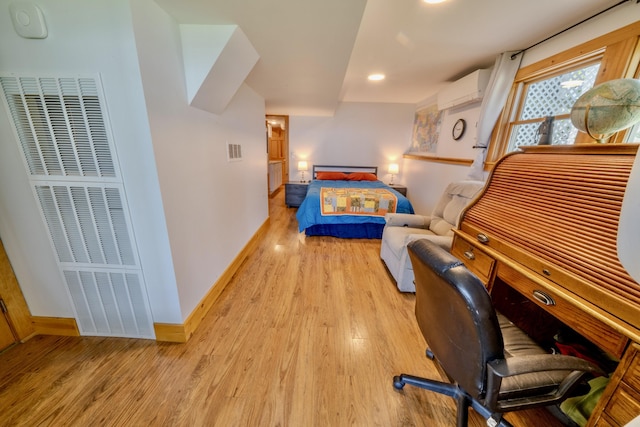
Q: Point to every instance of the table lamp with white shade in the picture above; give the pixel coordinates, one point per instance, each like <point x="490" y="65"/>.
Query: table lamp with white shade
<point x="302" y="167"/>
<point x="393" y="170"/>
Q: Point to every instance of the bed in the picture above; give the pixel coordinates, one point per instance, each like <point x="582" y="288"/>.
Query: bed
<point x="354" y="202"/>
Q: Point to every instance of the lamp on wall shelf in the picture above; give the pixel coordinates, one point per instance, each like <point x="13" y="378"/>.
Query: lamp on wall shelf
<point x="393" y="170"/>
<point x="302" y="167"/>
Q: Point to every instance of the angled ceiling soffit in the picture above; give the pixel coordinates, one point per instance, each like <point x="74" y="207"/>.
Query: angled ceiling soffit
<point x="217" y="60"/>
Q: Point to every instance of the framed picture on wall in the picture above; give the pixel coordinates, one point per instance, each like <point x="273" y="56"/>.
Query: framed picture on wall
<point x="426" y="127"/>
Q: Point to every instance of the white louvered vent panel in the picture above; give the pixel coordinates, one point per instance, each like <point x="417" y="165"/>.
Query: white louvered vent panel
<point x="109" y="304"/>
<point x="87" y="224"/>
<point x="60" y="125"/>
<point x="234" y="152"/>
<point x="62" y="128"/>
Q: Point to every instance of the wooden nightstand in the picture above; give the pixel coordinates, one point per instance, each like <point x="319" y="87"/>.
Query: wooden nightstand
<point x="294" y="193"/>
<point x="399" y="188"/>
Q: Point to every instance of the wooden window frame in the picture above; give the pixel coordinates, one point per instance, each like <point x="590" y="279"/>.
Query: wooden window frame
<point x="523" y="90"/>
<point x="619" y="54"/>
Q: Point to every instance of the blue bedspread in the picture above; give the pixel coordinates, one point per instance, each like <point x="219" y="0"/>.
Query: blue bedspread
<point x="309" y="215"/>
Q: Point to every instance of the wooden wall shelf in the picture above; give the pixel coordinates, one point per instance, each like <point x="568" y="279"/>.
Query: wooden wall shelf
<point x="449" y="160"/>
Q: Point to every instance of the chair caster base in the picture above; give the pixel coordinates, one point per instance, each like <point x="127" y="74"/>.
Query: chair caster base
<point x="398" y="384"/>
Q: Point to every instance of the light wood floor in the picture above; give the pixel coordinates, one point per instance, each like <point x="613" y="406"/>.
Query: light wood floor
<point x="308" y="334"/>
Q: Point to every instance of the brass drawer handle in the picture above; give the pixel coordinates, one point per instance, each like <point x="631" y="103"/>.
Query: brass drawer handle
<point x="469" y="255"/>
<point x="544" y="298"/>
<point x="482" y="238"/>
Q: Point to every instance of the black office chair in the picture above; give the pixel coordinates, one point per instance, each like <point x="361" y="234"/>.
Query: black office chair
<point x="494" y="366"/>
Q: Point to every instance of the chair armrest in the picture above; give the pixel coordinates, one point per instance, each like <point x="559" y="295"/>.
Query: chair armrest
<point x="539" y="363"/>
<point x="444" y="242"/>
<point x="513" y="366"/>
<point x="407" y="220"/>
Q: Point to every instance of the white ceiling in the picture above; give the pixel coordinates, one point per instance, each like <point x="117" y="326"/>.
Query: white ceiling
<point x="315" y="54"/>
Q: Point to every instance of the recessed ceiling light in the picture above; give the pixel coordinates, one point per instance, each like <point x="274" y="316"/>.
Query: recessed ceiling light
<point x="376" y="77"/>
<point x="434" y="1"/>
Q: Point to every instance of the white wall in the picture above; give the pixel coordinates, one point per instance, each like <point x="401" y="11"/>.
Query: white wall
<point x="212" y="206"/>
<point x="463" y="147"/>
<point x="192" y="212"/>
<point x="618" y="17"/>
<point x="84" y="37"/>
<point x="426" y="180"/>
<point x="378" y="134"/>
<point x="362" y="134"/>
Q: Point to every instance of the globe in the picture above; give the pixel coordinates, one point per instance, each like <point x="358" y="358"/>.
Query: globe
<point x="607" y="108"/>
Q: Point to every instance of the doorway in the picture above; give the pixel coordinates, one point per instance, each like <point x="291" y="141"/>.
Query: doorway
<point x="277" y="149"/>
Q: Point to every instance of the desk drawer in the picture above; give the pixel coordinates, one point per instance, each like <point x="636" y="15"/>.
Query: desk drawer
<point x="604" y="421"/>
<point x="632" y="376"/>
<point x="474" y="259"/>
<point x="624" y="405"/>
<point x="594" y="330"/>
<point x="620" y="402"/>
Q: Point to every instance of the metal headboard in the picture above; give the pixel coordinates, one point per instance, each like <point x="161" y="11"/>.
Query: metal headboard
<point x="345" y="169"/>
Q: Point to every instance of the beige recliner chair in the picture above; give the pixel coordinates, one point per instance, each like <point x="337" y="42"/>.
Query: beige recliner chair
<point x="404" y="228"/>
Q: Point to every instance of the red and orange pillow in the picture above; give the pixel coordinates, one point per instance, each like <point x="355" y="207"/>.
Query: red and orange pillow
<point x="361" y="176"/>
<point x="341" y="176"/>
<point x="333" y="176"/>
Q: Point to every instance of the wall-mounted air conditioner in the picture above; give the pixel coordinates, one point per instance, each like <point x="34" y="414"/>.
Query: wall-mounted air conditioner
<point x="468" y="89"/>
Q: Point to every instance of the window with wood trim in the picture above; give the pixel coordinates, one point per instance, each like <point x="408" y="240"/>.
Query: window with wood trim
<point x="546" y="103"/>
<point x="634" y="134"/>
<point x="540" y="91"/>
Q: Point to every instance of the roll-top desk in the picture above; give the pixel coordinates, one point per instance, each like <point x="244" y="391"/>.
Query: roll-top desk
<point x="545" y="226"/>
